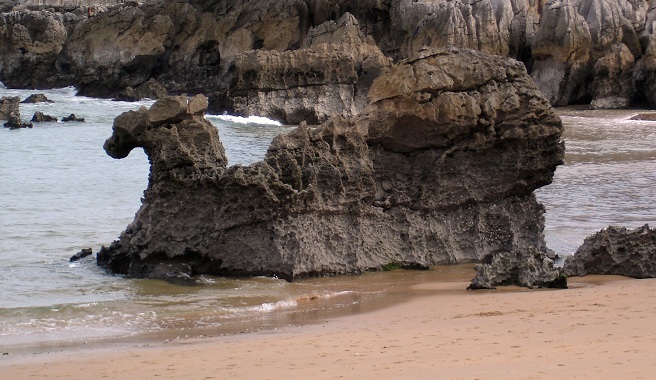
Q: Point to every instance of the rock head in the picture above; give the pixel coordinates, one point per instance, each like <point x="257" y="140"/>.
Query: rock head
<point x="439" y="169"/>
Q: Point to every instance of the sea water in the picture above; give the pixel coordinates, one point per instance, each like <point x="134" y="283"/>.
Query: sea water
<point x="60" y="192"/>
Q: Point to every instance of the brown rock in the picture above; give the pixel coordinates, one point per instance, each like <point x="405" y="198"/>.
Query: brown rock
<point x="412" y="181"/>
<point x="9" y="105"/>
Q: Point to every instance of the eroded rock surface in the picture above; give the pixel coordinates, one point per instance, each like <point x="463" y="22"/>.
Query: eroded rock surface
<point x="616" y="250"/>
<point x="440" y="169"/>
<point x="528" y="268"/>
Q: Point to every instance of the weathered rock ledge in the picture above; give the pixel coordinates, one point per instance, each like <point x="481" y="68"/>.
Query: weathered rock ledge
<point x="616" y="250"/>
<point x="440" y="169"/>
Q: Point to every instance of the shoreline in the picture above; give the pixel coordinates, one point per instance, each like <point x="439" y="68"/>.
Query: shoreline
<point x="598" y="327"/>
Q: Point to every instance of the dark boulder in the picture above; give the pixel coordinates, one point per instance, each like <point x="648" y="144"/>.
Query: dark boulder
<point x="40" y="117"/>
<point x="440" y="169"/>
<point x="82" y="254"/>
<point x="616" y="250"/>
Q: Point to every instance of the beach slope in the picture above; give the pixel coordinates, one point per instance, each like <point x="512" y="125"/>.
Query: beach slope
<point x="601" y="328"/>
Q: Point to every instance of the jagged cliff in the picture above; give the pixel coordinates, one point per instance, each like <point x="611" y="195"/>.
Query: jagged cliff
<point x="439" y="169"/>
<point x="306" y="59"/>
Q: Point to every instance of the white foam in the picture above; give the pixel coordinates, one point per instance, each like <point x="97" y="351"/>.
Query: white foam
<point x="268" y="307"/>
<point x="245" y="120"/>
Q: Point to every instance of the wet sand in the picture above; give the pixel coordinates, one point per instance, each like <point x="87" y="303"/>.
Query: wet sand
<point x="601" y="328"/>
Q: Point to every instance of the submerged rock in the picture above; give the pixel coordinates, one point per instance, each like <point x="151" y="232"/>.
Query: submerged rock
<point x="616" y="250"/>
<point x="440" y="169"/>
<point x="40" y="117"/>
<point x="530" y="268"/>
<point x="72" y="117"/>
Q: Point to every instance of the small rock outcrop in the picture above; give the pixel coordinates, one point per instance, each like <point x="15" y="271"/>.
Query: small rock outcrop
<point x="616" y="250"/>
<point x="14" y="121"/>
<point x="439" y="169"/>
<point x="80" y="255"/>
<point x="10" y="111"/>
<point x="40" y="117"/>
<point x="530" y="268"/>
<point x="72" y="117"/>
<point x="37" y="98"/>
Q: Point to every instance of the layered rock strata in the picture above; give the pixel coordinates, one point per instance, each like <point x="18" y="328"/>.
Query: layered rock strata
<point x="616" y="250"/>
<point x="440" y="169"/>
<point x="263" y="57"/>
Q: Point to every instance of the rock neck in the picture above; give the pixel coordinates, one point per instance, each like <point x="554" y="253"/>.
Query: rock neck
<point x="181" y="145"/>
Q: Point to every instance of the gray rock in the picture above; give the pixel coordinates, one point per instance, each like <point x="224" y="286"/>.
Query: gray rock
<point x="440" y="169"/>
<point x="529" y="268"/>
<point x="616" y="250"/>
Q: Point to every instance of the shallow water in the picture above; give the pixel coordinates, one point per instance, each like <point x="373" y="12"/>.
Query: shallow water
<point x="61" y="192"/>
<point x="609" y="177"/>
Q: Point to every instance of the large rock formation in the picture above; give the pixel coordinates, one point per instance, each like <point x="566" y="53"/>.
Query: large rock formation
<point x="440" y="169"/>
<point x="616" y="250"/>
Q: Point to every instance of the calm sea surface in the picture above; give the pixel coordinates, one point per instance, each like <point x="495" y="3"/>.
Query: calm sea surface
<point x="60" y="192"/>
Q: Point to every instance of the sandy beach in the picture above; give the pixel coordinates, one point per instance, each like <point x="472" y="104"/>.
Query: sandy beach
<point x="600" y="328"/>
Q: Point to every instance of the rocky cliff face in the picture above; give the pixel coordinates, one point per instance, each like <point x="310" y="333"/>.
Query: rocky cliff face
<point x="255" y="57"/>
<point x="330" y="75"/>
<point x="440" y="169"/>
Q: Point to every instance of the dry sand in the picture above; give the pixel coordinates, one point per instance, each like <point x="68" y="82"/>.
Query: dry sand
<point x="600" y="328"/>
